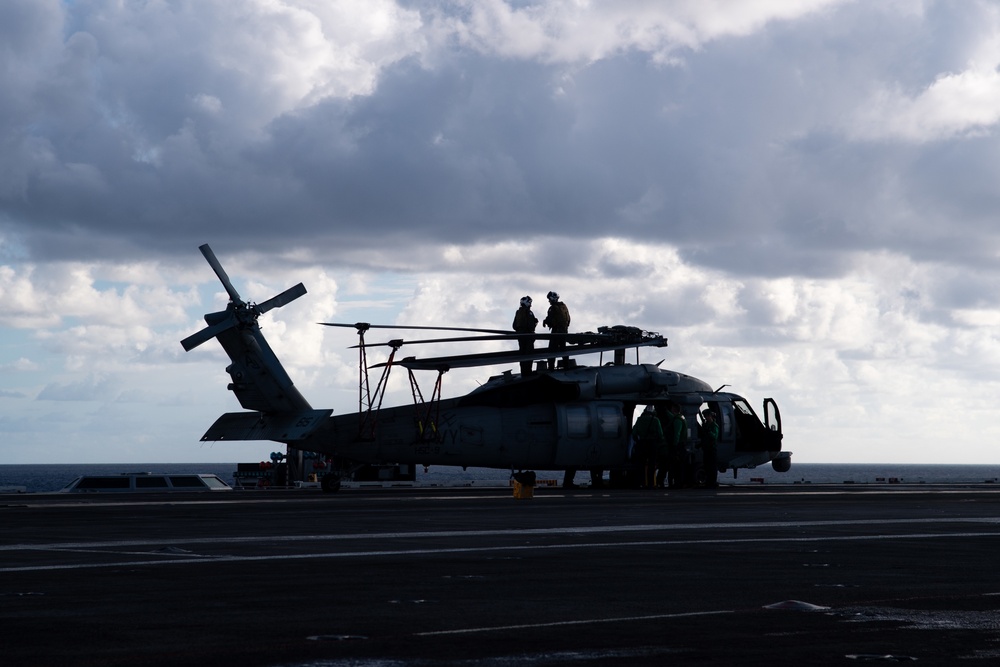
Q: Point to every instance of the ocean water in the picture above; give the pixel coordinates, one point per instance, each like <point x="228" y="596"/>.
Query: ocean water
<point x="44" y="478"/>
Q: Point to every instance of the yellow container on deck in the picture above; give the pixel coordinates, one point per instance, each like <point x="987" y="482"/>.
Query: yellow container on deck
<point x="523" y="490"/>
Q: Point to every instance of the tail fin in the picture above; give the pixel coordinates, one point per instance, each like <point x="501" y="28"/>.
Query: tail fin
<point x="259" y="380"/>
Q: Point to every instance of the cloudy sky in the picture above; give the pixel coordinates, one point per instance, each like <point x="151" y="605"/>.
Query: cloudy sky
<point x="802" y="195"/>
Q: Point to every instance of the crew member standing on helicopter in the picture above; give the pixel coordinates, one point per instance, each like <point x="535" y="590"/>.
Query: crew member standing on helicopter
<point x="525" y="323"/>
<point x="557" y="320"/>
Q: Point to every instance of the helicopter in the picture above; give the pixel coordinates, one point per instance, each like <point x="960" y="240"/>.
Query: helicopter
<point x="561" y="416"/>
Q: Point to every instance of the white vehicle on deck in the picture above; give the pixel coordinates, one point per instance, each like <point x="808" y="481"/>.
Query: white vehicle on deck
<point x="139" y="482"/>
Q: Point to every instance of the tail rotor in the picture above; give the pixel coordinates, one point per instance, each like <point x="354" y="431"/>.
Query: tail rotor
<point x="238" y="313"/>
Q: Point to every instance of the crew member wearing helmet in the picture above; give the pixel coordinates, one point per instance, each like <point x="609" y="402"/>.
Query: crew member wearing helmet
<point x="525" y="323"/>
<point x="647" y="434"/>
<point x="557" y="320"/>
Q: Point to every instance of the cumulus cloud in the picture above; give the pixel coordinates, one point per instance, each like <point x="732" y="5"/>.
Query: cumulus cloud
<point x="959" y="101"/>
<point x="21" y="364"/>
<point x="93" y="388"/>
<point x="800" y="195"/>
<point x="954" y="105"/>
<point x="572" y="32"/>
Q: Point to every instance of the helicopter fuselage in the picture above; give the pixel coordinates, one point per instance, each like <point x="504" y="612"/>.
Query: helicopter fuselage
<point x="575" y="418"/>
<point x="567" y="418"/>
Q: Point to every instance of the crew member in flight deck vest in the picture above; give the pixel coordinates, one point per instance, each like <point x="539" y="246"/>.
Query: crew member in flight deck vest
<point x="648" y="436"/>
<point x="557" y="320"/>
<point x="525" y="323"/>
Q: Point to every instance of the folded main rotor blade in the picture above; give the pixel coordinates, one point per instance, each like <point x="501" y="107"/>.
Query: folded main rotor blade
<point x="456" y="339"/>
<point x="289" y="295"/>
<point x="495" y="358"/>
<point x="572" y="339"/>
<point x="364" y="326"/>
<point x="220" y="272"/>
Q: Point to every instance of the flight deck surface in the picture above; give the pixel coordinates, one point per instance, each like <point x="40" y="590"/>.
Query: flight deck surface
<point x="789" y="575"/>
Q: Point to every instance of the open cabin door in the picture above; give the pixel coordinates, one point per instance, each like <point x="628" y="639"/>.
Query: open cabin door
<point x="772" y="415"/>
<point x="752" y="435"/>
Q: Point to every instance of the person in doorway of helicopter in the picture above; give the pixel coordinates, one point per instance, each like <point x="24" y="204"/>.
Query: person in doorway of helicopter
<point x="671" y="461"/>
<point x="709" y="444"/>
<point x="648" y="436"/>
<point x="557" y="319"/>
<point x="525" y="323"/>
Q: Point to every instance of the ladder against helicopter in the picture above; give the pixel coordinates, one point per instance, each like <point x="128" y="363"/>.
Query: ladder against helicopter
<point x="576" y="416"/>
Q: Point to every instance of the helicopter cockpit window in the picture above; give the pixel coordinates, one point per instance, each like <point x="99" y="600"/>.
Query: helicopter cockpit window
<point x="578" y="421"/>
<point x="610" y="421"/>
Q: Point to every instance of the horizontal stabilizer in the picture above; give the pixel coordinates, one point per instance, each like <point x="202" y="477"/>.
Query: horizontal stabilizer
<point x="279" y="427"/>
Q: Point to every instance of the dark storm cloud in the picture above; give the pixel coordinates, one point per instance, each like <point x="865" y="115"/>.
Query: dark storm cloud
<point x="964" y="290"/>
<point x="739" y="153"/>
<point x="480" y="149"/>
<point x="618" y="268"/>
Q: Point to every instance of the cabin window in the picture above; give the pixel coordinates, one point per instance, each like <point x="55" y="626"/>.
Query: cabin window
<point x="150" y="483"/>
<point x="727" y="424"/>
<point x="187" y="481"/>
<point x="578" y="421"/>
<point x="610" y="421"/>
<point x="103" y="483"/>
<point x="216" y="483"/>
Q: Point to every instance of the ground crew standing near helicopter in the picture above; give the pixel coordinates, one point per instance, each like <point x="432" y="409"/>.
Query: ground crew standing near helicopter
<point x="525" y="323"/>
<point x="648" y="436"/>
<point x="557" y="320"/>
<point x="672" y="459"/>
<point x="708" y="444"/>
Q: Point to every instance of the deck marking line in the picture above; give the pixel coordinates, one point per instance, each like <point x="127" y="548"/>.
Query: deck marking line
<point x="554" y="624"/>
<point x="517" y="532"/>
<point x="498" y="547"/>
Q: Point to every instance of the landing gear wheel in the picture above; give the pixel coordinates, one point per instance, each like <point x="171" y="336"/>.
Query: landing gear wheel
<point x="330" y="483"/>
